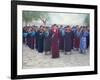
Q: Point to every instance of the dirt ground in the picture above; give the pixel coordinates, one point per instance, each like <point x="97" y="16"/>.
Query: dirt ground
<point x="33" y="59"/>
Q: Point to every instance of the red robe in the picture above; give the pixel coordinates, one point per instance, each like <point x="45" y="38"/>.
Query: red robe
<point x="77" y="40"/>
<point x="55" y="44"/>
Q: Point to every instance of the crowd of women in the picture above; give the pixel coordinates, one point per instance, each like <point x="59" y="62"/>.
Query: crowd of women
<point x="54" y="39"/>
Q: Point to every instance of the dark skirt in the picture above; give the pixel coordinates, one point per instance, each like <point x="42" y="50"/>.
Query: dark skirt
<point x="23" y="39"/>
<point x="29" y="40"/>
<point x="36" y="40"/>
<point x="76" y="42"/>
<point x="68" y="42"/>
<point x="32" y="42"/>
<point x="87" y="41"/>
<point x="40" y="45"/>
<point x="47" y="44"/>
<point x="36" y="43"/>
<point x="61" y="43"/>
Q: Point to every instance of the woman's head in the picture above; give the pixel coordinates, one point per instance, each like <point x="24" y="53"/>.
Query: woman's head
<point x="68" y="28"/>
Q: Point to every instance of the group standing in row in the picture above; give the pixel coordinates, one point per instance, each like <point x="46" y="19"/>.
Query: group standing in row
<point x="55" y="39"/>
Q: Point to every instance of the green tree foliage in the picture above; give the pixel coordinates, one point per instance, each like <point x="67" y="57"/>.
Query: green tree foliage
<point x="28" y="16"/>
<point x="87" y="20"/>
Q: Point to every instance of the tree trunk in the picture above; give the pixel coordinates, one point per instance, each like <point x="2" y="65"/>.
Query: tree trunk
<point x="43" y="21"/>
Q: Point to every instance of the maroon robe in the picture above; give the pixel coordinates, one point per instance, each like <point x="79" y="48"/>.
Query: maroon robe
<point x="76" y="42"/>
<point x="55" y="44"/>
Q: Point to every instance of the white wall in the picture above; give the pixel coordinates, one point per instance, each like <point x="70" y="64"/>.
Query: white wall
<point x="5" y="29"/>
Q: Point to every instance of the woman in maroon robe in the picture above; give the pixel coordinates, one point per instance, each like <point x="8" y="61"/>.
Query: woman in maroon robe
<point x="77" y="39"/>
<point x="55" y="41"/>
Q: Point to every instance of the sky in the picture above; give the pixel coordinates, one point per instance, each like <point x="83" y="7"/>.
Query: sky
<point x="67" y="18"/>
<point x="64" y="19"/>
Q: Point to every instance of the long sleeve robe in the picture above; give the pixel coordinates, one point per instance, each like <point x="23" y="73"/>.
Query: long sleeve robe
<point x="40" y="42"/>
<point x="29" y="40"/>
<point x="47" y="42"/>
<point x="32" y="40"/>
<point x="88" y="39"/>
<point x="36" y="40"/>
<point x="77" y="40"/>
<point x="68" y="41"/>
<point x="61" y="39"/>
<point x="25" y="37"/>
<point x="83" y="41"/>
<point x="55" y="44"/>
